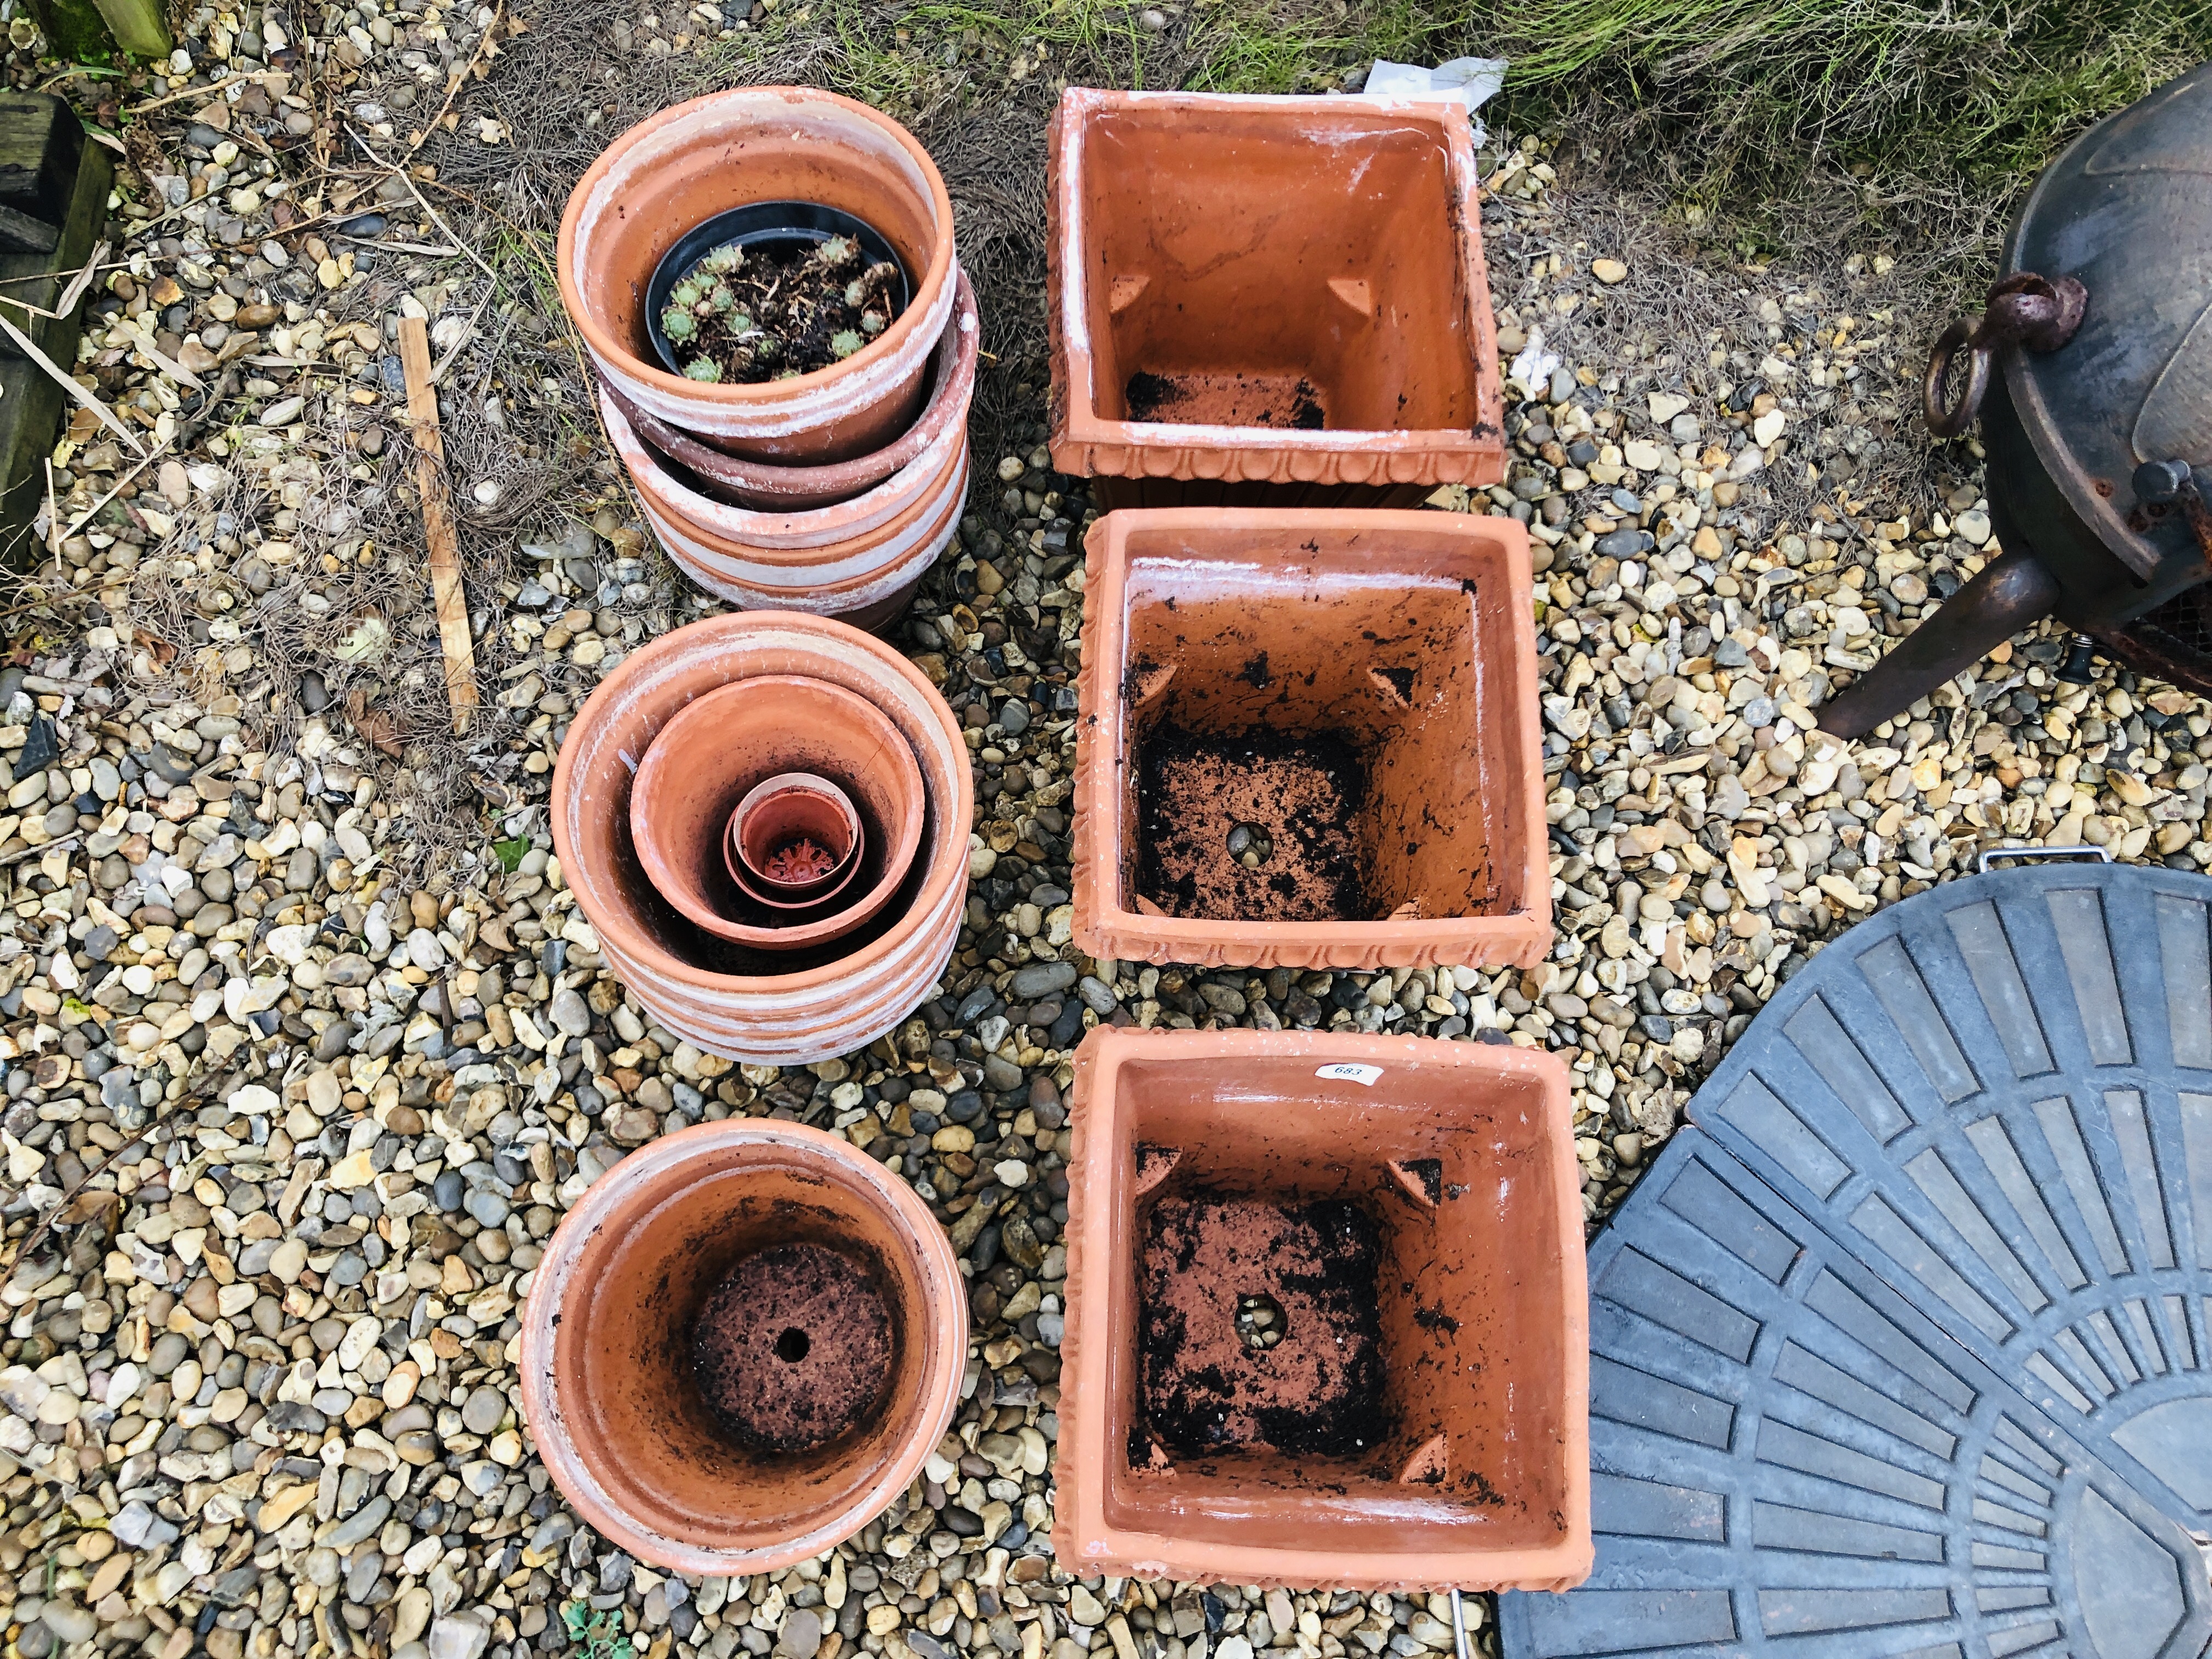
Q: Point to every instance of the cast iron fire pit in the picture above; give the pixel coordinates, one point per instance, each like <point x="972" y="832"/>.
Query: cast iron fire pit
<point x="2090" y="370"/>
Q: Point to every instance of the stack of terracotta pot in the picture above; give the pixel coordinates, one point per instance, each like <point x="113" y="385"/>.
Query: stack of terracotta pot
<point x="830" y="491"/>
<point x="765" y="817"/>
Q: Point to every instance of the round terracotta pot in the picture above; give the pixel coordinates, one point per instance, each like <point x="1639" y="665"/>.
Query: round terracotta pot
<point x="823" y="1390"/>
<point x="678" y="169"/>
<point x="767" y="488"/>
<point x="709" y="758"/>
<point x="859" y="560"/>
<point x="783" y="1009"/>
<point x="792" y="807"/>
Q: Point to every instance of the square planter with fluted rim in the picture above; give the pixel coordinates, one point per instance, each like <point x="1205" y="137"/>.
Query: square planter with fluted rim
<point x="1309" y="739"/>
<point x="1275" y="294"/>
<point x="1327" y="1321"/>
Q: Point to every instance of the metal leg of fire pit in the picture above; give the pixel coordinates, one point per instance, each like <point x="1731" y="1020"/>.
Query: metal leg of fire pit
<point x="2011" y="592"/>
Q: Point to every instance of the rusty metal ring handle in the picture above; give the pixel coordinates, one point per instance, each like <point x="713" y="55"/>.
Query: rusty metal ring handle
<point x="1948" y="421"/>
<point x="2026" y="308"/>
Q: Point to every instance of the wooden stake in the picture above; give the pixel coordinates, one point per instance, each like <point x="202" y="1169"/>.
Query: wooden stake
<point x="438" y="523"/>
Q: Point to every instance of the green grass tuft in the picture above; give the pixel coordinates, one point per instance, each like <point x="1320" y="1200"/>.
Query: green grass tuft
<point x="1984" y="92"/>
<point x="1973" y="94"/>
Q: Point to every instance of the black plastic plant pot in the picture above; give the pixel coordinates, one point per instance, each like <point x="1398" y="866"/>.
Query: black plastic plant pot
<point x="773" y="227"/>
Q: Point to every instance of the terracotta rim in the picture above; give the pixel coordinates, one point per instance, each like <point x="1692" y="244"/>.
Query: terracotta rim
<point x="838" y="568"/>
<point x="1084" y="1371"/>
<point x="764" y="487"/>
<point x="712" y="707"/>
<point x="603" y="1205"/>
<point x="630" y="680"/>
<point x="770" y="394"/>
<point x="1106" y="926"/>
<point x="811" y="536"/>
<point x="1087" y="445"/>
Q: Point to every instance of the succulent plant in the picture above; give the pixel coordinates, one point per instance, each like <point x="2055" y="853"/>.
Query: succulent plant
<point x="838" y="252"/>
<point x="721" y="300"/>
<point x="686" y="294"/>
<point x="844" y="343"/>
<point x="678" y="324"/>
<point x="874" y="322"/>
<point x="724" y="260"/>
<point x="703" y="368"/>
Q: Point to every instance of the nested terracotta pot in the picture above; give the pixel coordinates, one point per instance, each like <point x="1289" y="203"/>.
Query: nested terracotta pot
<point x="781" y="1008"/>
<point x="675" y="171"/>
<point x="859" y="559"/>
<point x="1309" y="739"/>
<point x="769" y="487"/>
<point x="1262" y="300"/>
<point x="723" y="746"/>
<point x="1327" y="1314"/>
<point x="794" y="841"/>
<point x="741" y="1346"/>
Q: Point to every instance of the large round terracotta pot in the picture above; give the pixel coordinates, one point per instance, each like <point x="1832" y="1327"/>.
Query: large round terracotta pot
<point x="859" y="560"/>
<point x="788" y="1008"/>
<point x="741" y="1346"/>
<point x="771" y="487"/>
<point x="680" y="168"/>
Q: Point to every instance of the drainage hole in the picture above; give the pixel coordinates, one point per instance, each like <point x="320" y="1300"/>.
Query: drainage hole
<point x="1250" y="845"/>
<point x="1260" y="1322"/>
<point x="791" y="1347"/>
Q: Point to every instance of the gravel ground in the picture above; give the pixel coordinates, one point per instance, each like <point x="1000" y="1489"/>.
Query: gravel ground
<point x="306" y="1049"/>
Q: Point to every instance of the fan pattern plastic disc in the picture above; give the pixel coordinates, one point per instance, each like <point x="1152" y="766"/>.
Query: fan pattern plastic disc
<point x="1904" y="1350"/>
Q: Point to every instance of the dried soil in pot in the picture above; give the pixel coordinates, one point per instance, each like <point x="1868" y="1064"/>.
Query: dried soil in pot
<point x="794" y="1347"/>
<point x="1300" y="798"/>
<point x="1208" y="1383"/>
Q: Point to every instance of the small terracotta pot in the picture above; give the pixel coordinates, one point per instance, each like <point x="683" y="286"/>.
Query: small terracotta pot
<point x="1309" y="739"/>
<point x="859" y="560"/>
<point x="702" y="1461"/>
<point x="1327" y="1314"/>
<point x="681" y="167"/>
<point x="796" y="807"/>
<point x="1204" y="336"/>
<point x="767" y="488"/>
<point x="790" y="1007"/>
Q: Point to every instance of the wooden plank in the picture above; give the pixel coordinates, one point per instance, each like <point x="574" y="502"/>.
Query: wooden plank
<point x="41" y="144"/>
<point x="30" y="402"/>
<point x="136" y="26"/>
<point x="438" y="522"/>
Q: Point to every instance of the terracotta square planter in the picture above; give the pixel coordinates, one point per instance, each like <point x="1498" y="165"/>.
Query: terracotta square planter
<point x="1254" y="294"/>
<point x="1345" y="700"/>
<point x="1404" y="1215"/>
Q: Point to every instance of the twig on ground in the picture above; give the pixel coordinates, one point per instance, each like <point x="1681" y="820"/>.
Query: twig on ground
<point x="184" y="95"/>
<point x="438" y="523"/>
<point x="39" y="851"/>
<point x="460" y="79"/>
<point x="86" y="517"/>
<point x="69" y="295"/>
<point x="400" y="173"/>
